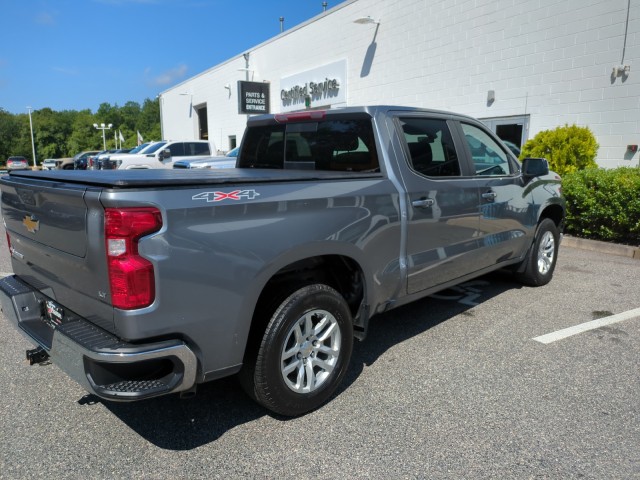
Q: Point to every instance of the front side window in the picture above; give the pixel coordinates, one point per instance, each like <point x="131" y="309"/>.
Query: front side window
<point x="489" y="159"/>
<point x="176" y="149"/>
<point x="430" y="145"/>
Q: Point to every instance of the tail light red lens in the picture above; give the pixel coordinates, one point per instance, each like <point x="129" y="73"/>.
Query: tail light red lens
<point x="131" y="276"/>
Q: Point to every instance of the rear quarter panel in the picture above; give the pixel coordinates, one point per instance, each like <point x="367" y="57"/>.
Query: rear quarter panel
<point x="220" y="245"/>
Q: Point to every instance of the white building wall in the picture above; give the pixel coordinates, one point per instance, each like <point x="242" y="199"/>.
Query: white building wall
<point x="549" y="59"/>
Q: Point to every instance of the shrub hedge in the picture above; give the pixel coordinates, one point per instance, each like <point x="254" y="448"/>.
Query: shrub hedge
<point x="604" y="204"/>
<point x="568" y="148"/>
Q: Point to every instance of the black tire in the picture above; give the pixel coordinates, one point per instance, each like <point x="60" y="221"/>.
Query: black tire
<point x="541" y="259"/>
<point x="314" y="326"/>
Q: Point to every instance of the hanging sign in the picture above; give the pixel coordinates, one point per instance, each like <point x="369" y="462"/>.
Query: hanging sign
<point x="253" y="97"/>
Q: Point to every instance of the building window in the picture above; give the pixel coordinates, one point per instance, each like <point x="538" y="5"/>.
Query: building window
<point x="232" y="142"/>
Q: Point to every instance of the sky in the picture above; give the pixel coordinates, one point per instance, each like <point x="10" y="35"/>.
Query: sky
<point x="77" y="54"/>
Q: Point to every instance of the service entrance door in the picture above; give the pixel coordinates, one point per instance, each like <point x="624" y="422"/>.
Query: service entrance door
<point x="203" y="122"/>
<point x="513" y="131"/>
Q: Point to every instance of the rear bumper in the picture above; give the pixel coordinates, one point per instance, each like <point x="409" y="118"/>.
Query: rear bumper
<point x="99" y="361"/>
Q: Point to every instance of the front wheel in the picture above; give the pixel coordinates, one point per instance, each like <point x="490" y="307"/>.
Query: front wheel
<point x="304" y="353"/>
<point x="541" y="259"/>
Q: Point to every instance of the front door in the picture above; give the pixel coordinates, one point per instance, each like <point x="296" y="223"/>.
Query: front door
<point x="506" y="212"/>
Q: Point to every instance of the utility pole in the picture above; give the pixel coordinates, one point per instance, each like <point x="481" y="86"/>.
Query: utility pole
<point x="33" y="145"/>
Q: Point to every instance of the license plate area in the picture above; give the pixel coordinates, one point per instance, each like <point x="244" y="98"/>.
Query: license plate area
<point x="53" y="314"/>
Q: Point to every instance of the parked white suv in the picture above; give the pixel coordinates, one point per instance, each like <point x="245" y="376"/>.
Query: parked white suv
<point x="161" y="155"/>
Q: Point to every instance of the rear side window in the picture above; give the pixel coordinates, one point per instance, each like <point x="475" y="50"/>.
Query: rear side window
<point x="345" y="144"/>
<point x="196" y="148"/>
<point x="430" y="146"/>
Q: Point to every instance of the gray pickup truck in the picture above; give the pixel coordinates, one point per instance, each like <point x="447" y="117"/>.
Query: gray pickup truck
<point x="144" y="283"/>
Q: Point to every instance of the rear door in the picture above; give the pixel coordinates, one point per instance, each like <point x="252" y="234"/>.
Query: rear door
<point x="443" y="203"/>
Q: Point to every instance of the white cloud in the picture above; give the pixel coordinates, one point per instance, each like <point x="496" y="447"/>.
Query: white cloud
<point x="169" y="77"/>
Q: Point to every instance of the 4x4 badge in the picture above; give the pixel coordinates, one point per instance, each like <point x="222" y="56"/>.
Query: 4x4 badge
<point x="31" y="223"/>
<point x="218" y="196"/>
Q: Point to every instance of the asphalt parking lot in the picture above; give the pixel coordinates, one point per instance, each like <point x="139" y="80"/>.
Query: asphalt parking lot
<point x="453" y="386"/>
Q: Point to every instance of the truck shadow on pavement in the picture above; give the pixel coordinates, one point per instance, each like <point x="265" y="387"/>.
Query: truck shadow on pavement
<point x="183" y="424"/>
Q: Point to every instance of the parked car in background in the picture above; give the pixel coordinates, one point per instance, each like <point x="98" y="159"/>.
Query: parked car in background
<point x="92" y="159"/>
<point x="162" y="155"/>
<point x="17" y="163"/>
<point x="225" y="161"/>
<point x="111" y="161"/>
<point x="105" y="154"/>
<point x="81" y="159"/>
<point x="51" y="163"/>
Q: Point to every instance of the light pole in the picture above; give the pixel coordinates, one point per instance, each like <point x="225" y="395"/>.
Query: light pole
<point x="33" y="145"/>
<point x="103" y="128"/>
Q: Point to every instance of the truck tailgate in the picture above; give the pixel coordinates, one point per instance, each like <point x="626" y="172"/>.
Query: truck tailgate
<point x="56" y="243"/>
<point x="52" y="216"/>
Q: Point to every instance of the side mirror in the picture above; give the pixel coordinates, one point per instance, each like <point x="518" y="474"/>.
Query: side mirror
<point x="535" y="167"/>
<point x="164" y="154"/>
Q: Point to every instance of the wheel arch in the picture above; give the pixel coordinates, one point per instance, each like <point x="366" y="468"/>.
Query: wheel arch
<point x="555" y="212"/>
<point x="343" y="269"/>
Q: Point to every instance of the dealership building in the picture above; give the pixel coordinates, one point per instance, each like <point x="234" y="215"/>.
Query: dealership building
<point x="521" y="66"/>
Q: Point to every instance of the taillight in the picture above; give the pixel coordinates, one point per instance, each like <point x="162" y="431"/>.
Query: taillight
<point x="130" y="275"/>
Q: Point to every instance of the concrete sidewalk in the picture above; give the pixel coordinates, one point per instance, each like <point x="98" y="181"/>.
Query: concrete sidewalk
<point x="603" y="247"/>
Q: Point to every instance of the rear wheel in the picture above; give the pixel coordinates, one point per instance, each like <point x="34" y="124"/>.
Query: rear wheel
<point x="304" y="353"/>
<point x="541" y="260"/>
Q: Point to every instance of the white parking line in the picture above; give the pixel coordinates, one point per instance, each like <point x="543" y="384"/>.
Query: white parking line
<point x="585" y="327"/>
<point x="5" y="274"/>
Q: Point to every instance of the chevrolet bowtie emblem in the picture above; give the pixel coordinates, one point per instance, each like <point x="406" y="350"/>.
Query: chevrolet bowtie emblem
<point x="31" y="223"/>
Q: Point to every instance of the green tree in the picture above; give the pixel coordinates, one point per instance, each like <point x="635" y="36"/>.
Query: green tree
<point x="51" y="130"/>
<point x="568" y="148"/>
<point x="84" y="136"/>
<point x="149" y="122"/>
<point x="9" y="128"/>
<point x="63" y="134"/>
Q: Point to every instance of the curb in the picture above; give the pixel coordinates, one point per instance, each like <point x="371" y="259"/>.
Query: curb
<point x="602" y="247"/>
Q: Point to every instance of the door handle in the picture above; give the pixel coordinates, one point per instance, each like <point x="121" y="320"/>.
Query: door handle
<point x="423" y="203"/>
<point x="489" y="196"/>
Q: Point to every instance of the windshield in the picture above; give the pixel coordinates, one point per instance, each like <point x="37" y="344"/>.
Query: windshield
<point x="155" y="147"/>
<point x="140" y="147"/>
<point x="233" y="153"/>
